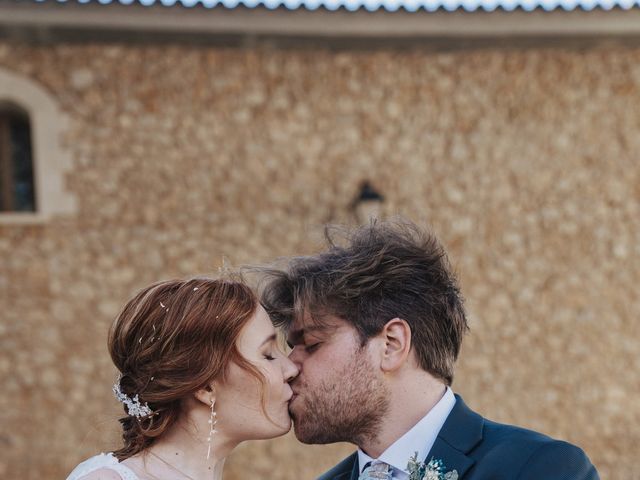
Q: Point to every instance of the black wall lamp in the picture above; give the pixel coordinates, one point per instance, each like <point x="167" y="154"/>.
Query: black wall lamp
<point x="367" y="203"/>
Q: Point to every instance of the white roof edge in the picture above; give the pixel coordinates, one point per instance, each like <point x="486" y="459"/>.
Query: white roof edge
<point x="320" y="23"/>
<point x="376" y="5"/>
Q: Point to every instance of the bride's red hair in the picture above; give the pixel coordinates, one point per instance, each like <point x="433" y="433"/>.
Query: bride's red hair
<point x="171" y="340"/>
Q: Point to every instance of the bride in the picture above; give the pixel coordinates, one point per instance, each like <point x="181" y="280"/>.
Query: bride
<point x="200" y="372"/>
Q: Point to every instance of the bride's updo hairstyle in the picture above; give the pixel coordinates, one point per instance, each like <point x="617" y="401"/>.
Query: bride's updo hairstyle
<point x="172" y="339"/>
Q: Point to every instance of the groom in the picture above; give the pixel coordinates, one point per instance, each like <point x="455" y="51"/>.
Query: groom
<point x="376" y="326"/>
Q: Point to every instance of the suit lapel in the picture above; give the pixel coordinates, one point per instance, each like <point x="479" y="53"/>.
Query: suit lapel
<point x="348" y="469"/>
<point x="460" y="433"/>
<point x="355" y="471"/>
<point x="453" y="459"/>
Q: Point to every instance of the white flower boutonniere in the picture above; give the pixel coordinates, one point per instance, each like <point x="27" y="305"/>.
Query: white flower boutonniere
<point x="434" y="470"/>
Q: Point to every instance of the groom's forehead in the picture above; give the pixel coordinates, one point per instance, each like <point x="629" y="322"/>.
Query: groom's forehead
<point x="317" y="320"/>
<point x="308" y="324"/>
<point x="296" y="335"/>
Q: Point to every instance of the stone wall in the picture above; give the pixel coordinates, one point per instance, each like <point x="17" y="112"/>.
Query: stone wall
<point x="525" y="162"/>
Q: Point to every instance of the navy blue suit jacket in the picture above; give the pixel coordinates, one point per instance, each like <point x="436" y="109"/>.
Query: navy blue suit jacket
<point x="480" y="449"/>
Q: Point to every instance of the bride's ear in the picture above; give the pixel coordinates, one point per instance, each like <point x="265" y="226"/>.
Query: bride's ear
<point x="207" y="394"/>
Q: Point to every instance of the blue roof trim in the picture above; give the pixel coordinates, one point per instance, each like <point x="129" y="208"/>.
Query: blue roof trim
<point x="388" y="5"/>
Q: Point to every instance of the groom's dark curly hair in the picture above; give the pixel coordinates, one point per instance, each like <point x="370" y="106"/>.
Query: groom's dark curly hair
<point x="378" y="272"/>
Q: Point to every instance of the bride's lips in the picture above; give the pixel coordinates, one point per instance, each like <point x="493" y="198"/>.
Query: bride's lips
<point x="290" y="395"/>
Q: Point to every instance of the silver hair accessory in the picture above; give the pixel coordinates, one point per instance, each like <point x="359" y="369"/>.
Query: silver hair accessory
<point x="134" y="407"/>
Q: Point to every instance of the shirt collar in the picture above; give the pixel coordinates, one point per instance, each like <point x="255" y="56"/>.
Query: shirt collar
<point x="420" y="438"/>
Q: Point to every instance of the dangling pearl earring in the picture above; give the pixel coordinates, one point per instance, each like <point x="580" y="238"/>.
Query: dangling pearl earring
<point x="212" y="426"/>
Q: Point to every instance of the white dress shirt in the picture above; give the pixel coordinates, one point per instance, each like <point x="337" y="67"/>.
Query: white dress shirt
<point x="419" y="439"/>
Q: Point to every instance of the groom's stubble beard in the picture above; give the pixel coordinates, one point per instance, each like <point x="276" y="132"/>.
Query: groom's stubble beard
<point x="349" y="406"/>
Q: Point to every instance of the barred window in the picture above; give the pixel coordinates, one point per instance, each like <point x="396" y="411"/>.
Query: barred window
<point x="17" y="192"/>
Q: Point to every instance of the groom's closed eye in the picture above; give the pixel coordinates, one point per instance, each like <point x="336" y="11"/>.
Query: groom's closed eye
<point x="308" y="348"/>
<point x="312" y="348"/>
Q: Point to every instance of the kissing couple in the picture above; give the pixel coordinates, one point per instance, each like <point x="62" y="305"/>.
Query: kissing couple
<point x="374" y="324"/>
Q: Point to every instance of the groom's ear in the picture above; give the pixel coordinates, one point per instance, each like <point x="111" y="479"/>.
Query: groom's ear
<point x="397" y="337"/>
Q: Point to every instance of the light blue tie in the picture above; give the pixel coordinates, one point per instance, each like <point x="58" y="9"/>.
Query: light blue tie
<point x="376" y="471"/>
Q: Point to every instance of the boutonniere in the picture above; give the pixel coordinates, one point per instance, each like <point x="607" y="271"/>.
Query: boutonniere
<point x="434" y="470"/>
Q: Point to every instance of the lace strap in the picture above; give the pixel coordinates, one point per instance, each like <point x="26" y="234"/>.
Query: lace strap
<point x="124" y="472"/>
<point x="104" y="460"/>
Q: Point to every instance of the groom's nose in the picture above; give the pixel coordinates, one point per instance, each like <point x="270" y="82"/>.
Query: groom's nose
<point x="291" y="370"/>
<point x="296" y="356"/>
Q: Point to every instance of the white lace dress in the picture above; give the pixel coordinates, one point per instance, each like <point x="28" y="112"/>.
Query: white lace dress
<point x="104" y="460"/>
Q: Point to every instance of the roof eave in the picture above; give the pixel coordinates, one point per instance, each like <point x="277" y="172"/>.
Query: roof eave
<point x="91" y="19"/>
